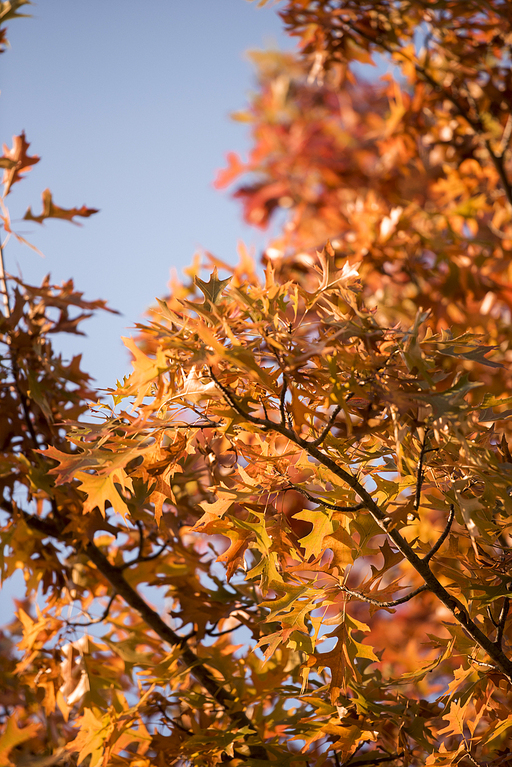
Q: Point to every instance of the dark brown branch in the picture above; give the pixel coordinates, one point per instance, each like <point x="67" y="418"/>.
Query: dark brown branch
<point x="502" y="621"/>
<point x="155" y="555"/>
<point x="325" y="431"/>
<point x="282" y="402"/>
<point x="444" y="535"/>
<point x="140" y="528"/>
<point x="491" y="617"/>
<point x="378" y="603"/>
<point x="226" y="631"/>
<point x="369" y="760"/>
<point x="420" y="473"/>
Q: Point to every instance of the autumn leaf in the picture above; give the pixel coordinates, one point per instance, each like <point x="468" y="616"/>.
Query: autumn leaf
<point x="212" y="290"/>
<point x="322" y="526"/>
<point x="104" y="489"/>
<point x="13" y="736"/>
<point x="50" y="210"/>
<point x="16" y="161"/>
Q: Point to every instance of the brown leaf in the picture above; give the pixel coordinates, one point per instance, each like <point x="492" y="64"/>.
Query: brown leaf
<point x="50" y="210"/>
<point x="16" y="161"/>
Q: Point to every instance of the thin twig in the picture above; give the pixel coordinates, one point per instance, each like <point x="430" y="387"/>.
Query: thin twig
<point x="140" y="528"/>
<point x="502" y="621"/>
<point x="3" y="283"/>
<point x="420" y="474"/>
<point x="139" y="559"/>
<point x="223" y="633"/>
<point x="378" y="603"/>
<point x="491" y="617"/>
<point x="332" y="506"/>
<point x="444" y="535"/>
<point x="369" y="760"/>
<point x="97" y="620"/>
<point x="484" y="665"/>
<point x="325" y="431"/>
<point x="282" y="401"/>
<point x="505" y="138"/>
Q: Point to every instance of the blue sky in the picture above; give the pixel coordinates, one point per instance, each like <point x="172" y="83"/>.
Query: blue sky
<point x="128" y="105"/>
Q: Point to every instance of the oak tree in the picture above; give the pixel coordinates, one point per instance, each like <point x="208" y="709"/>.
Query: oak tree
<point x="286" y="536"/>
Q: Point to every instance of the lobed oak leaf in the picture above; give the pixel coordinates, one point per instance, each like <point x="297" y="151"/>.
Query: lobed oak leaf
<point x="50" y="210"/>
<point x="455" y="718"/>
<point x="212" y="290"/>
<point x="102" y="489"/>
<point x="14" y="736"/>
<point x="215" y="510"/>
<point x="16" y="161"/>
<point x="322" y="526"/>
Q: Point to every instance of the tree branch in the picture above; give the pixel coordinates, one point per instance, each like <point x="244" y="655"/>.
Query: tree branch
<point x="282" y="402"/>
<point x="369" y="760"/>
<point x="332" y="506"/>
<point x="330" y="423"/>
<point x="97" y="620"/>
<point x="444" y="535"/>
<point x="122" y="588"/>
<point x="378" y="603"/>
<point x="502" y="621"/>
<point x="384" y="521"/>
<point x="420" y="474"/>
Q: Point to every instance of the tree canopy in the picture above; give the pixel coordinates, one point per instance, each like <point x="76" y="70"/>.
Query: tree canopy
<point x="286" y="537"/>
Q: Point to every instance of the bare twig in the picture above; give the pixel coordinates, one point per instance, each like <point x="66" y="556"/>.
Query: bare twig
<point x="97" y="620"/>
<point x="325" y="431"/>
<point x="332" y="506"/>
<point x="484" y="665"/>
<point x="3" y="283"/>
<point x="139" y="559"/>
<point x="444" y="535"/>
<point x="502" y="621"/>
<point x="505" y="138"/>
<point x="369" y="760"/>
<point x="140" y="528"/>
<point x="491" y="617"/>
<point x="223" y="633"/>
<point x="282" y="402"/>
<point x="378" y="603"/>
<point x="420" y="473"/>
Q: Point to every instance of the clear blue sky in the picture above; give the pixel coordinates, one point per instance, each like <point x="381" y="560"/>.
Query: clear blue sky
<point x="128" y="104"/>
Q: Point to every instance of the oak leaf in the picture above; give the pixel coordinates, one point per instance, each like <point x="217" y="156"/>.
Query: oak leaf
<point x="50" y="210"/>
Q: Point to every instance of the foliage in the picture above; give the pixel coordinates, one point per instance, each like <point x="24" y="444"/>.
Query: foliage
<point x="286" y="538"/>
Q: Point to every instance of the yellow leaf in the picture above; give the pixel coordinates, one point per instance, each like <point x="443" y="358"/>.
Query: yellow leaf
<point x="100" y="489"/>
<point x="13" y="736"/>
